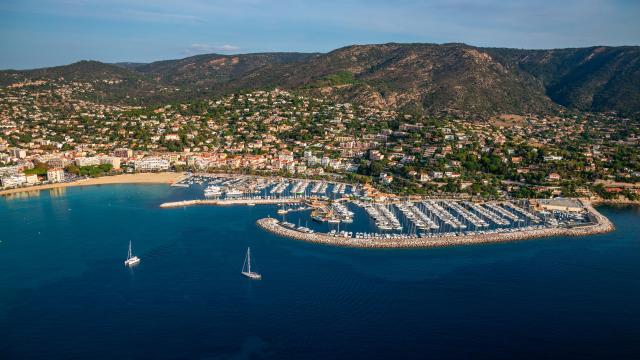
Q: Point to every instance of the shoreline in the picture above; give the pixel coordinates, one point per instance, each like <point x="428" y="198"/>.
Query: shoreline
<point x="601" y="226"/>
<point x="616" y="202"/>
<point x="141" y="178"/>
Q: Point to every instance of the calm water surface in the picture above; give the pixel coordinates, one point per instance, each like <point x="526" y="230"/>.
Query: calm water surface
<point x="65" y="293"/>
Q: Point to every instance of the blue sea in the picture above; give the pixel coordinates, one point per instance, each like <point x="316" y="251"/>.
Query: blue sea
<point x="65" y="293"/>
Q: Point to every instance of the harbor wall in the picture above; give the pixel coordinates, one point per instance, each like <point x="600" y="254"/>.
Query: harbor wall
<point x="229" y="202"/>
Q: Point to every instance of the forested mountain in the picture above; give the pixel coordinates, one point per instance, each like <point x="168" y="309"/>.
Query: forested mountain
<point x="422" y="77"/>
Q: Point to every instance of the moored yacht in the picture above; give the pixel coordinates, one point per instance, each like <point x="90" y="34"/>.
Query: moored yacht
<point x="212" y="190"/>
<point x="233" y="192"/>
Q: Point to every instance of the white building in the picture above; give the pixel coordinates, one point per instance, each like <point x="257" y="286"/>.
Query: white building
<point x="31" y="179"/>
<point x="13" y="180"/>
<point x="113" y="161"/>
<point x="375" y="155"/>
<point x="99" y="160"/>
<point x="57" y="162"/>
<point x="88" y="161"/>
<point x="424" y="177"/>
<point x="386" y="178"/>
<point x="55" y="175"/>
<point x="151" y="164"/>
<point x="10" y="170"/>
<point x="285" y="155"/>
<point x="552" y="158"/>
<point x="18" y="153"/>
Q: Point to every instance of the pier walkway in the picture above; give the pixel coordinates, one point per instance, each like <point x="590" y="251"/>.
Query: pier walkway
<point x="230" y="202"/>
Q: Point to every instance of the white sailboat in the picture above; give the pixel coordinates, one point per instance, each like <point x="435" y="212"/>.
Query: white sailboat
<point x="246" y="267"/>
<point x="131" y="259"/>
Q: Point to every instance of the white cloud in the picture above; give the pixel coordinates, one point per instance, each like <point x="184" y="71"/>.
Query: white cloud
<point x="195" y="49"/>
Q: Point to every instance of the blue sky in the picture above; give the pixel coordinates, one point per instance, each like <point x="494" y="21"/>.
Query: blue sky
<point x="37" y="33"/>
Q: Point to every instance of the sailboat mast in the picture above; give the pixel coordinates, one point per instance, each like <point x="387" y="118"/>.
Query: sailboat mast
<point x="249" y="259"/>
<point x="129" y="255"/>
<point x="244" y="263"/>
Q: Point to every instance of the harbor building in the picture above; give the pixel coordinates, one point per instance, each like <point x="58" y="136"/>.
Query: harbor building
<point x="560" y="204"/>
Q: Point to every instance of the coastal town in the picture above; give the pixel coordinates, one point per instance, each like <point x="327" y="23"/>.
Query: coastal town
<point x="311" y="180"/>
<point x="52" y="132"/>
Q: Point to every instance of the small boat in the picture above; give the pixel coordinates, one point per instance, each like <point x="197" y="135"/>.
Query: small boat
<point x="246" y="267"/>
<point x="282" y="210"/>
<point x="233" y="192"/>
<point x="131" y="259"/>
<point x="212" y="191"/>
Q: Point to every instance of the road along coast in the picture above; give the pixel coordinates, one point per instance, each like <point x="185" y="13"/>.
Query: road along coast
<point x="600" y="224"/>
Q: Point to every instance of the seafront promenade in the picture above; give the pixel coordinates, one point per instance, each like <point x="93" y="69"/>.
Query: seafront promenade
<point x="600" y="225"/>
<point x="140" y="178"/>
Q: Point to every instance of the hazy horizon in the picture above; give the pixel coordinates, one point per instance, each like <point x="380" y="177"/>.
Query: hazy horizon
<point x="43" y="33"/>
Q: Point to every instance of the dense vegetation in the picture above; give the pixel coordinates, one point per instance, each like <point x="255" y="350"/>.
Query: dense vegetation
<point x="418" y="77"/>
<point x="92" y="171"/>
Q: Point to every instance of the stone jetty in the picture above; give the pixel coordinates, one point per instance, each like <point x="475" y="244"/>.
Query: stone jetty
<point x="229" y="202"/>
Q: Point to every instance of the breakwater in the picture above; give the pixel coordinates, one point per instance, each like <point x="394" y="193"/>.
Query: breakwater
<point x="599" y="225"/>
<point x="228" y="202"/>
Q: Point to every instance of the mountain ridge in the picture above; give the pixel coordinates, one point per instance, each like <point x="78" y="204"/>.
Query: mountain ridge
<point x="431" y="78"/>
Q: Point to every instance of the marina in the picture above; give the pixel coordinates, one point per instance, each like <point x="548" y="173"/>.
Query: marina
<point x="225" y="185"/>
<point x="333" y="210"/>
<point x="399" y="240"/>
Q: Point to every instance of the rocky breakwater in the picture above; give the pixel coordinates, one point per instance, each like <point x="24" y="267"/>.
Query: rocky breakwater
<point x="228" y="202"/>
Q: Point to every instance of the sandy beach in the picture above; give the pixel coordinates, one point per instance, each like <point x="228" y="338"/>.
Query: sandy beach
<point x="142" y="178"/>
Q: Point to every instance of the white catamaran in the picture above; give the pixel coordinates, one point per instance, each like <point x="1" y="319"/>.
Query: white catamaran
<point x="246" y="267"/>
<point x="131" y="259"/>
